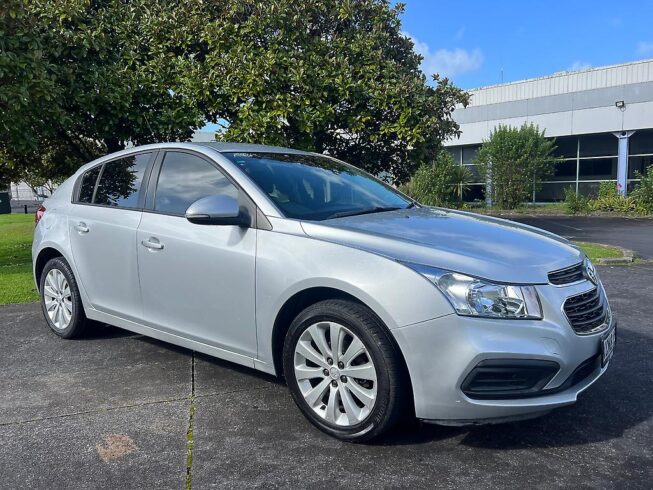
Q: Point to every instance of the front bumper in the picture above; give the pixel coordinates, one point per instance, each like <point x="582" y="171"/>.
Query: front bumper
<point x="440" y="354"/>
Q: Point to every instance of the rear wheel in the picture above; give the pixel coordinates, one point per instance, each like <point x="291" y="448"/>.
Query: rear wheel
<point x="60" y="300"/>
<point x="343" y="370"/>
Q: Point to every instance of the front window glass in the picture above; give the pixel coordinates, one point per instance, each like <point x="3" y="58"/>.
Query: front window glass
<point x="313" y="187"/>
<point x="184" y="179"/>
<point x="121" y="180"/>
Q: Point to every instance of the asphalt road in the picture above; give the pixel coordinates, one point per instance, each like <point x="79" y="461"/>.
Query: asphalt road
<point x="114" y="411"/>
<point x="633" y="233"/>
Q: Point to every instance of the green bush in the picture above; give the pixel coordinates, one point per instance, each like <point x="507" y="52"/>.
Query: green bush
<point x="516" y="160"/>
<point x="438" y="184"/>
<point x="643" y="192"/>
<point x="609" y="199"/>
<point x="576" y="203"/>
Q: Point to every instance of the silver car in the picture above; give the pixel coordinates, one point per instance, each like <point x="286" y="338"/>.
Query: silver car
<point x="371" y="305"/>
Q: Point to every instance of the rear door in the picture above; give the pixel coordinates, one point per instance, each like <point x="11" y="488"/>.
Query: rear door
<point x="102" y="227"/>
<point x="197" y="281"/>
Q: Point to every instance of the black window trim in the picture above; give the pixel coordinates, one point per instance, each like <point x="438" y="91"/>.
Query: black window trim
<point x="142" y="191"/>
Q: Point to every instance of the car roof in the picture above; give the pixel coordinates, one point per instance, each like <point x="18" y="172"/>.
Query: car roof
<point x="225" y="146"/>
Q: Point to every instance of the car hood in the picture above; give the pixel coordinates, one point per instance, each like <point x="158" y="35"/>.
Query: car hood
<point x="476" y="245"/>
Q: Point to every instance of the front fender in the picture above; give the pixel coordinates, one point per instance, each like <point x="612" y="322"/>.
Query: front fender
<point x="397" y="294"/>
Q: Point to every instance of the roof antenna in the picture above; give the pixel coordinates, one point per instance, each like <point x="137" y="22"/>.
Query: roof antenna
<point x="501" y="74"/>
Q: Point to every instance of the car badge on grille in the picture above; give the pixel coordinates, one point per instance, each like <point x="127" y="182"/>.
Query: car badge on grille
<point x="590" y="272"/>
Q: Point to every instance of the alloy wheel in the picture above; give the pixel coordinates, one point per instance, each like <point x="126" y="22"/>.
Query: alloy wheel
<point x="335" y="373"/>
<point x="58" y="299"/>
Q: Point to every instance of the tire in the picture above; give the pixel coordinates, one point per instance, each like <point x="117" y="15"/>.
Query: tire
<point x="328" y="394"/>
<point x="56" y="275"/>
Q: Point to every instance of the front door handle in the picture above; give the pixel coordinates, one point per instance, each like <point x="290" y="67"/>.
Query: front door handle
<point x="152" y="243"/>
<point x="81" y="227"/>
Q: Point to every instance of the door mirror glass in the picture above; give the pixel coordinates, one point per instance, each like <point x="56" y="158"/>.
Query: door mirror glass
<point x="217" y="210"/>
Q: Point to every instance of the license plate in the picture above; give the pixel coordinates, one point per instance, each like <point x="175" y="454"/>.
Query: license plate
<point x="607" y="345"/>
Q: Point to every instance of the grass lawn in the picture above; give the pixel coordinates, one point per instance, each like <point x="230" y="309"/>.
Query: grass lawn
<point x="17" y="286"/>
<point x="594" y="251"/>
<point x="16" y="283"/>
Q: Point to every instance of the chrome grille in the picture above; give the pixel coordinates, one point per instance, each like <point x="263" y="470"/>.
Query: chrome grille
<point x="587" y="312"/>
<point x="567" y="275"/>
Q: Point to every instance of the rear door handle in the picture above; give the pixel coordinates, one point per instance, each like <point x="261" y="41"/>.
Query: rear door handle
<point x="152" y="243"/>
<point x="81" y="227"/>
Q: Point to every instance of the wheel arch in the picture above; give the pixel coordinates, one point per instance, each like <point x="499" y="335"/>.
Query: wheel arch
<point x="307" y="297"/>
<point x="43" y="257"/>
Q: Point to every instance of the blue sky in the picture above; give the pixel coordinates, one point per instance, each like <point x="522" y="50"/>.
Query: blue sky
<point x="471" y="41"/>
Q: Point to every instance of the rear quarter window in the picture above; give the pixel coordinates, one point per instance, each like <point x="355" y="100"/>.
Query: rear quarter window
<point x="120" y="182"/>
<point x="87" y="185"/>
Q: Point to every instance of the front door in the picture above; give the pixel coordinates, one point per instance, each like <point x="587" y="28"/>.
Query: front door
<point x="197" y="281"/>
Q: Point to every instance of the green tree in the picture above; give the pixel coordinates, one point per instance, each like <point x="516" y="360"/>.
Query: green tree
<point x="439" y="183"/>
<point x="516" y="160"/>
<point x="84" y="78"/>
<point x="333" y="76"/>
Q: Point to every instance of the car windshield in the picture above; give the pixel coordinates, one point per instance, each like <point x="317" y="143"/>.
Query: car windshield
<point x="313" y="187"/>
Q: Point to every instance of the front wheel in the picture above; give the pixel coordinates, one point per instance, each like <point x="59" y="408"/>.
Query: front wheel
<point x="343" y="370"/>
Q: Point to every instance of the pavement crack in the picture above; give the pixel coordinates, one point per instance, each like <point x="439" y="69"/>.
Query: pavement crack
<point x="191" y="423"/>
<point x="94" y="411"/>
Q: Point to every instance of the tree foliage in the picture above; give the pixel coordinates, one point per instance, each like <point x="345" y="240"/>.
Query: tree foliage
<point x="329" y="76"/>
<point x="332" y="76"/>
<point x="516" y="160"/>
<point x="439" y="183"/>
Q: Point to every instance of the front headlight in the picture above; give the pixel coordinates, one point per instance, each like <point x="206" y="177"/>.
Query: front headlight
<point x="476" y="297"/>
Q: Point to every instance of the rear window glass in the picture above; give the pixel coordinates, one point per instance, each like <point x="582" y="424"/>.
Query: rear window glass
<point x="121" y="180"/>
<point x="87" y="186"/>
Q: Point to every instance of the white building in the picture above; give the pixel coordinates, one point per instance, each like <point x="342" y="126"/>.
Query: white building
<point x="602" y="119"/>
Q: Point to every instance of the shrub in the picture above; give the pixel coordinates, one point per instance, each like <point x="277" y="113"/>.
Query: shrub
<point x="439" y="183"/>
<point x="643" y="192"/>
<point x="516" y="160"/>
<point x="609" y="199"/>
<point x="576" y="203"/>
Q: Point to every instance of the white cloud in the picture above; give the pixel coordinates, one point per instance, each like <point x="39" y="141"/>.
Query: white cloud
<point x="460" y="33"/>
<point x="447" y="62"/>
<point x="579" y="65"/>
<point x="645" y="48"/>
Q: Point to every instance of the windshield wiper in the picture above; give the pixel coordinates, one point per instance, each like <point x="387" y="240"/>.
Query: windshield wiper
<point x="357" y="212"/>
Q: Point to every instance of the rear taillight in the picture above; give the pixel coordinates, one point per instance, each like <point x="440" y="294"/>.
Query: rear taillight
<point x="39" y="214"/>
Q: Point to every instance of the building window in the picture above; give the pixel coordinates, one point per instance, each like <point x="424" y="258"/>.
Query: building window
<point x="456" y="154"/>
<point x="469" y="154"/>
<point x="566" y="147"/>
<point x="598" y="145"/>
<point x="565" y="170"/>
<point x="638" y="164"/>
<point x="597" y="169"/>
<point x="475" y="192"/>
<point x="641" y="142"/>
<point x="553" y="191"/>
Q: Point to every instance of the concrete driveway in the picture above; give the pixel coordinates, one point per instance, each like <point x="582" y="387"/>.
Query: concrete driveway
<point x="633" y="233"/>
<point x="118" y="410"/>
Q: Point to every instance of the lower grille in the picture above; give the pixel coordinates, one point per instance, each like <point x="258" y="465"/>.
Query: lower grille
<point x="508" y="378"/>
<point x="587" y="312"/>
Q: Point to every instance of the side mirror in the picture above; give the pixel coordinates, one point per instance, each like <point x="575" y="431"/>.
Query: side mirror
<point x="217" y="210"/>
